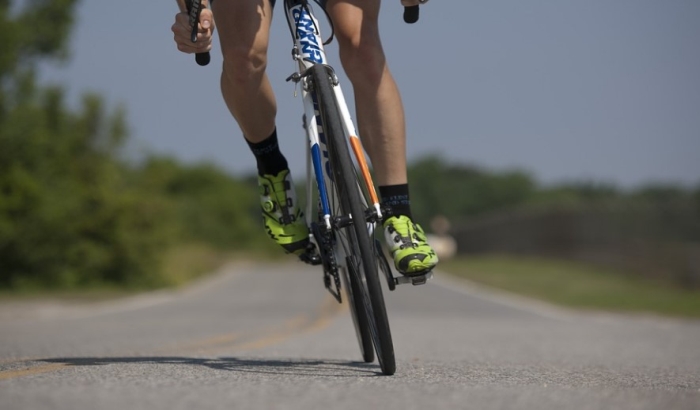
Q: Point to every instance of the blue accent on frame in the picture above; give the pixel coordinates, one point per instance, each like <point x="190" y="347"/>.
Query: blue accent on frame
<point x="318" y="170"/>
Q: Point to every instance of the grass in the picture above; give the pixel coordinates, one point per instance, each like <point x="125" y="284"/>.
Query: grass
<point x="576" y="284"/>
<point x="181" y="265"/>
<point x="184" y="263"/>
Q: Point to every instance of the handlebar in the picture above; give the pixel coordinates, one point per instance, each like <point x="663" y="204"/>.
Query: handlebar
<point x="411" y="14"/>
<point x="194" y="8"/>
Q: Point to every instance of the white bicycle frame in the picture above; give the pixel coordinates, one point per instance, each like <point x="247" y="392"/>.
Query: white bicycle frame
<point x="308" y="50"/>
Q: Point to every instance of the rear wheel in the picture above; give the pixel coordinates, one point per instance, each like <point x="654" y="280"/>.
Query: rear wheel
<point x="358" y="246"/>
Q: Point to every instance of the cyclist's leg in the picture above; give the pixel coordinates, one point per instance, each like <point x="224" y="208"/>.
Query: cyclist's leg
<point x="379" y="108"/>
<point x="381" y="125"/>
<point x="244" y="29"/>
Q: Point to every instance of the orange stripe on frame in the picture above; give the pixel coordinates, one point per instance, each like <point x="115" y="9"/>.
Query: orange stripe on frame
<point x="360" y="155"/>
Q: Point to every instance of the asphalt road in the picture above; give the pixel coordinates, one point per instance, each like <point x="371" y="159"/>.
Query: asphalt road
<point x="269" y="337"/>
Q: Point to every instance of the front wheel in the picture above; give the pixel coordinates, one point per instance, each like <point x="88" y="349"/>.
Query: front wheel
<point x="355" y="239"/>
<point x="359" y="315"/>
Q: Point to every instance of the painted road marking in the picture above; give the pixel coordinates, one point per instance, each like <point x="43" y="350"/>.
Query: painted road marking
<point x="12" y="374"/>
<point x="303" y="323"/>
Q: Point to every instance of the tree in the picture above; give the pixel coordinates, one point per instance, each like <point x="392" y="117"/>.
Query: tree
<point x="459" y="191"/>
<point x="67" y="214"/>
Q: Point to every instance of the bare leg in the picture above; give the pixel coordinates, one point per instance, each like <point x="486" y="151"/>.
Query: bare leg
<point x="379" y="109"/>
<point x="381" y="123"/>
<point x="244" y="28"/>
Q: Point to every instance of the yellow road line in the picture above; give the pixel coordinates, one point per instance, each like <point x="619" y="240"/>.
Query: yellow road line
<point x="298" y="324"/>
<point x="323" y="316"/>
<point x="292" y="326"/>
<point x="11" y="374"/>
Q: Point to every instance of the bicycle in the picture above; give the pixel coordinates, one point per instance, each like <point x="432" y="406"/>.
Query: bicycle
<point x="347" y="208"/>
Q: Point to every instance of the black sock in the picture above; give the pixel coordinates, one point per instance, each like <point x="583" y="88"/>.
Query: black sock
<point x="268" y="155"/>
<point x="395" y="197"/>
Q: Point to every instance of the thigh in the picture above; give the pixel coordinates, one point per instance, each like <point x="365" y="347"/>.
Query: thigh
<point x="243" y="24"/>
<point x="355" y="21"/>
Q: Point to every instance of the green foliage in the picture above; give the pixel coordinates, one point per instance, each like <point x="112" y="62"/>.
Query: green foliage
<point x="576" y="194"/>
<point x="664" y="194"/>
<point x="39" y="31"/>
<point x="67" y="216"/>
<point x="461" y="192"/>
<point x="458" y="191"/>
<point x="577" y="284"/>
<point x="71" y="213"/>
<point x="211" y="206"/>
<point x="44" y="27"/>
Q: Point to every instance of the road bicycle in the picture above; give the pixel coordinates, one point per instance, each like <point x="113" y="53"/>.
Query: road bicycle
<point x="342" y="206"/>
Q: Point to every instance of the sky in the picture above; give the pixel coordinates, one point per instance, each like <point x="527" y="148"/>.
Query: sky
<point x="585" y="91"/>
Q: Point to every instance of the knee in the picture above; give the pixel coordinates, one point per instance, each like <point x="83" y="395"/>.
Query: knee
<point x="363" y="61"/>
<point x="243" y="64"/>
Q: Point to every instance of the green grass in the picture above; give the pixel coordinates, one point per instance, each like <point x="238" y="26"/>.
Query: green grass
<point x="576" y="285"/>
<point x="184" y="263"/>
<point x="181" y="265"/>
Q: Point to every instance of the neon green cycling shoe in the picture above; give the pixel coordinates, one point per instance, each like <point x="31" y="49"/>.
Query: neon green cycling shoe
<point x="283" y="219"/>
<point x="409" y="247"/>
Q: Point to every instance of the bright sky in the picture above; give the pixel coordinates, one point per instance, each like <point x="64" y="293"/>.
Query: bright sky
<point x="568" y="90"/>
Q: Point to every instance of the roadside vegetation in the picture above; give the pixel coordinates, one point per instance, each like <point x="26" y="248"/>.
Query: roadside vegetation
<point x="576" y="284"/>
<point x="74" y="213"/>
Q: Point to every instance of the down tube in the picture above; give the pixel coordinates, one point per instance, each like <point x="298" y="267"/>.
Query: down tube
<point x="315" y="149"/>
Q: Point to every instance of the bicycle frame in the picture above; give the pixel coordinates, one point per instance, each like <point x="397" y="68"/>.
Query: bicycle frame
<point x="308" y="50"/>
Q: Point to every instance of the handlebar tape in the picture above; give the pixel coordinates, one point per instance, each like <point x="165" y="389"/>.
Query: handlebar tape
<point x="194" y="8"/>
<point x="411" y="14"/>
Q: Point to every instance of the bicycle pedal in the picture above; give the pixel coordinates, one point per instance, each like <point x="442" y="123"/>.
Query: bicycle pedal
<point x="415" y="280"/>
<point x="311" y="256"/>
<point x="311" y="259"/>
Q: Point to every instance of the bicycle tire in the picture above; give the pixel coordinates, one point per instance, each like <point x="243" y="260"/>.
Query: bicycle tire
<point x="351" y="203"/>
<point x="358" y="313"/>
<point x="359" y="317"/>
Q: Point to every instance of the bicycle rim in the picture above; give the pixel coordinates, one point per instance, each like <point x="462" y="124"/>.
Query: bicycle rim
<point x="360" y="253"/>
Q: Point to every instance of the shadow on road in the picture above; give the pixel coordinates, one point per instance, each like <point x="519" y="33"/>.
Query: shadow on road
<point x="298" y="367"/>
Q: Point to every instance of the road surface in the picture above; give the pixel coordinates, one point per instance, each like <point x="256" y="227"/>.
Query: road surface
<point x="270" y="337"/>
